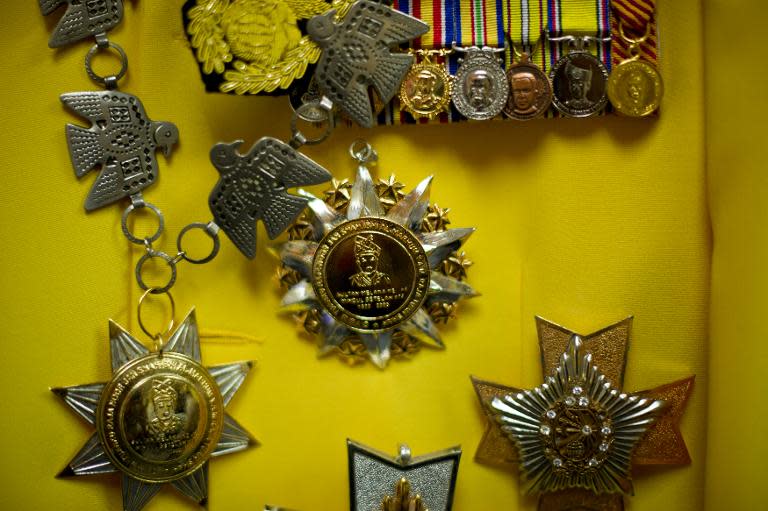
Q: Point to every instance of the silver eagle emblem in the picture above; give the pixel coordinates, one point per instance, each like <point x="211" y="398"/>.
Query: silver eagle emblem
<point x="357" y="54"/>
<point x="82" y="19"/>
<point x="254" y="187"/>
<point x="122" y="140"/>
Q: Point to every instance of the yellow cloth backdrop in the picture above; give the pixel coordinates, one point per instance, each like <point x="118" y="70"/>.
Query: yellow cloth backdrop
<point x="583" y="222"/>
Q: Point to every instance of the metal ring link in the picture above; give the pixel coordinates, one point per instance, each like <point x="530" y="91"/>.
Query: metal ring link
<point x="140" y="264"/>
<point x="135" y="239"/>
<point x="308" y="112"/>
<point x="110" y="81"/>
<point x="362" y="152"/>
<point x="211" y="230"/>
<point x="158" y="337"/>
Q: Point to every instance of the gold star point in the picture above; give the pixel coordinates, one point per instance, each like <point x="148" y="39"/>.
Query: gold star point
<point x="436" y="219"/>
<point x="339" y="194"/>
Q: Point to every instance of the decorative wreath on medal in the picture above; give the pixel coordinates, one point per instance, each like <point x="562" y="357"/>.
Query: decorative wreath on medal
<point x="255" y="46"/>
<point x="312" y="236"/>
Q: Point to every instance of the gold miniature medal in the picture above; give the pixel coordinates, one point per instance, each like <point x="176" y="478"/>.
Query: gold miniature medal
<point x="635" y="87"/>
<point x="160" y="418"/>
<point x="530" y="92"/>
<point x="426" y="89"/>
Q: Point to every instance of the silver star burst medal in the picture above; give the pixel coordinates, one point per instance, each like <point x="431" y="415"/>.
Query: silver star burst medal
<point x="576" y="430"/>
<point x="371" y="274"/>
<point x="402" y="482"/>
<point x="480" y="88"/>
<point x="160" y="418"/>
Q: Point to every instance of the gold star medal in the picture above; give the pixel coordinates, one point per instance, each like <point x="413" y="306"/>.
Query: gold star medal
<point x="377" y="270"/>
<point x="577" y="436"/>
<point x="160" y="418"/>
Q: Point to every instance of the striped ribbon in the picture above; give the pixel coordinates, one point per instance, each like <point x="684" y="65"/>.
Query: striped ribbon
<point x="484" y="23"/>
<point x="579" y="18"/>
<point x="636" y="15"/>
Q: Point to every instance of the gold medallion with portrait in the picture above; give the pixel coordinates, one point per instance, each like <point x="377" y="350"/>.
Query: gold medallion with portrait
<point x="530" y="92"/>
<point x="160" y="417"/>
<point x="426" y="90"/>
<point x="635" y="88"/>
<point x="371" y="274"/>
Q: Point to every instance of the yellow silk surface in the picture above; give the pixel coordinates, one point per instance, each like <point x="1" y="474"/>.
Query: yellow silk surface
<point x="583" y="222"/>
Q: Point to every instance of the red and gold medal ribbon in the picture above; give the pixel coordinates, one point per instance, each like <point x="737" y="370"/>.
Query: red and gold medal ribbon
<point x="637" y="16"/>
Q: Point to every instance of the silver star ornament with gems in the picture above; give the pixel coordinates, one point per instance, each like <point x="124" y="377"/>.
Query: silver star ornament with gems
<point x="576" y="430"/>
<point x="373" y="476"/>
<point x="160" y="418"/>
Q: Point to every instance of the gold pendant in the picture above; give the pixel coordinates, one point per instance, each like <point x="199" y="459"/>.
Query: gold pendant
<point x="530" y="90"/>
<point x="635" y="87"/>
<point x="426" y="89"/>
<point x="161" y="416"/>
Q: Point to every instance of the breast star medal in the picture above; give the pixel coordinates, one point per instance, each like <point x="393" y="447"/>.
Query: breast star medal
<point x="357" y="54"/>
<point x="635" y="87"/>
<point x="481" y="88"/>
<point x="401" y="483"/>
<point x="82" y="19"/>
<point x="579" y="81"/>
<point x="426" y="89"/>
<point x="371" y="271"/>
<point x="577" y="436"/>
<point x="160" y="418"/>
<point x="254" y="187"/>
<point x="530" y="91"/>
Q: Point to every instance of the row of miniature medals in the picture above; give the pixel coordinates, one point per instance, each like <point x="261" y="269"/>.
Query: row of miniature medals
<point x="579" y="84"/>
<point x="369" y="264"/>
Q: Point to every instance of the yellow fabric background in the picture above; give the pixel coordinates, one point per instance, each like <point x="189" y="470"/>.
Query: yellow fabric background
<point x="583" y="222"/>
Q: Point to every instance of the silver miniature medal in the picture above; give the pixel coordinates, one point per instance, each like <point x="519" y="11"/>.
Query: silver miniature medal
<point x="481" y="88"/>
<point x="579" y="81"/>
<point x="357" y="55"/>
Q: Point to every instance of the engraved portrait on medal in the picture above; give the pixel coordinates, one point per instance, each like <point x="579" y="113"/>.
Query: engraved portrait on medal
<point x="371" y="271"/>
<point x="579" y="84"/>
<point x="481" y="87"/>
<point x="530" y="91"/>
<point x="426" y="89"/>
<point x="635" y="88"/>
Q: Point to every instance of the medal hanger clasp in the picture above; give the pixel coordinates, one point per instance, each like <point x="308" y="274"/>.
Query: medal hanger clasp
<point x="634" y="42"/>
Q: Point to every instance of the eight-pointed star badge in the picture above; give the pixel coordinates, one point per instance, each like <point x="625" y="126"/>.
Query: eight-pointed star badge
<point x="402" y="482"/>
<point x="369" y="271"/>
<point x="160" y="418"/>
<point x="577" y="436"/>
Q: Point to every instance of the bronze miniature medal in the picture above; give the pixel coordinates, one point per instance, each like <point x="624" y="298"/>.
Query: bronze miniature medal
<point x="579" y="83"/>
<point x="530" y="91"/>
<point x="371" y="274"/>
